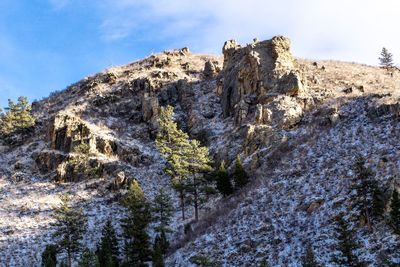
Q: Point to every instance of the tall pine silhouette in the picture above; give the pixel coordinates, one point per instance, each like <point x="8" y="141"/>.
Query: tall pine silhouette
<point x="240" y="176"/>
<point x="395" y="211"/>
<point x="107" y="250"/>
<point x="308" y="259"/>
<point x="369" y="199"/>
<point x="70" y="224"/>
<point x="386" y="59"/>
<point x="162" y="214"/>
<point x="49" y="256"/>
<point x="224" y="183"/>
<point x="346" y="245"/>
<point x="134" y="225"/>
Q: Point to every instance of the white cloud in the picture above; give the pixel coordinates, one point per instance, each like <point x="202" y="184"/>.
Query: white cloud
<point x="349" y="30"/>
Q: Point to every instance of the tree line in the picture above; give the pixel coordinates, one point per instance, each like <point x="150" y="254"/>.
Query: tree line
<point x="138" y="250"/>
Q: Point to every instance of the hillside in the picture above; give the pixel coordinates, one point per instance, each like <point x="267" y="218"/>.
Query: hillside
<point x="297" y="124"/>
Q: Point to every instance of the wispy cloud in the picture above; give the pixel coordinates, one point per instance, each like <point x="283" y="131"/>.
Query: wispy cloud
<point x="348" y="30"/>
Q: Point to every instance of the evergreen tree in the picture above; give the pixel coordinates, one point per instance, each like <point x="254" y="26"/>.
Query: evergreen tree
<point x="70" y="225"/>
<point x="240" y="176"/>
<point x="134" y="225"/>
<point x="49" y="256"/>
<point x="16" y="117"/>
<point x="224" y="183"/>
<point x="386" y="59"/>
<point x="264" y="263"/>
<point x="107" y="251"/>
<point x="158" y="254"/>
<point x="172" y="143"/>
<point x="395" y="212"/>
<point x="162" y="214"/>
<point x="369" y="199"/>
<point x="308" y="260"/>
<point x="188" y="161"/>
<point x="88" y="259"/>
<point x="198" y="185"/>
<point x="346" y="245"/>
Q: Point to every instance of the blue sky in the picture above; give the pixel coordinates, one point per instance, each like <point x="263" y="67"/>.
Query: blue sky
<point x="45" y="45"/>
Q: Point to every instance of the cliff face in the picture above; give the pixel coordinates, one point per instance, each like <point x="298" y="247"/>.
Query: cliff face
<point x="298" y="126"/>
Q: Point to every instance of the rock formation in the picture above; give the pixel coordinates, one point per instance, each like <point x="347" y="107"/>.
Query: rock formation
<point x="261" y="77"/>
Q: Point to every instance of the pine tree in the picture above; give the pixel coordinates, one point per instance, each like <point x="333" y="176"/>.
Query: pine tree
<point x="158" y="254"/>
<point x="395" y="212"/>
<point x="369" y="199"/>
<point x="199" y="164"/>
<point x="346" y="245"/>
<point x="162" y="214"/>
<point x="188" y="161"/>
<point x="88" y="259"/>
<point x="70" y="224"/>
<point x="107" y="251"/>
<point x="134" y="225"/>
<point x="386" y="59"/>
<point x="308" y="260"/>
<point x="172" y="143"/>
<point x="49" y="256"/>
<point x="224" y="183"/>
<point x="264" y="263"/>
<point x="240" y="176"/>
<point x="17" y="116"/>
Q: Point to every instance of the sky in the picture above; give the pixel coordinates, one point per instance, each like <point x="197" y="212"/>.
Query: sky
<point x="46" y="45"/>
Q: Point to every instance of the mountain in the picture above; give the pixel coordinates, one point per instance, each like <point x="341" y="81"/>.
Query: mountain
<point x="298" y="125"/>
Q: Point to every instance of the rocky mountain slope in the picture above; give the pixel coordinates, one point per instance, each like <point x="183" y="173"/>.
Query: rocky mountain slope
<point x="297" y="124"/>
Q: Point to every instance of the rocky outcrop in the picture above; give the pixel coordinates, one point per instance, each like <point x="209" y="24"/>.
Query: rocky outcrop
<point x="79" y="168"/>
<point x="262" y="136"/>
<point x="384" y="110"/>
<point x="150" y="107"/>
<point x="210" y="69"/>
<point x="259" y="78"/>
<point x="66" y="131"/>
<point x="47" y="161"/>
